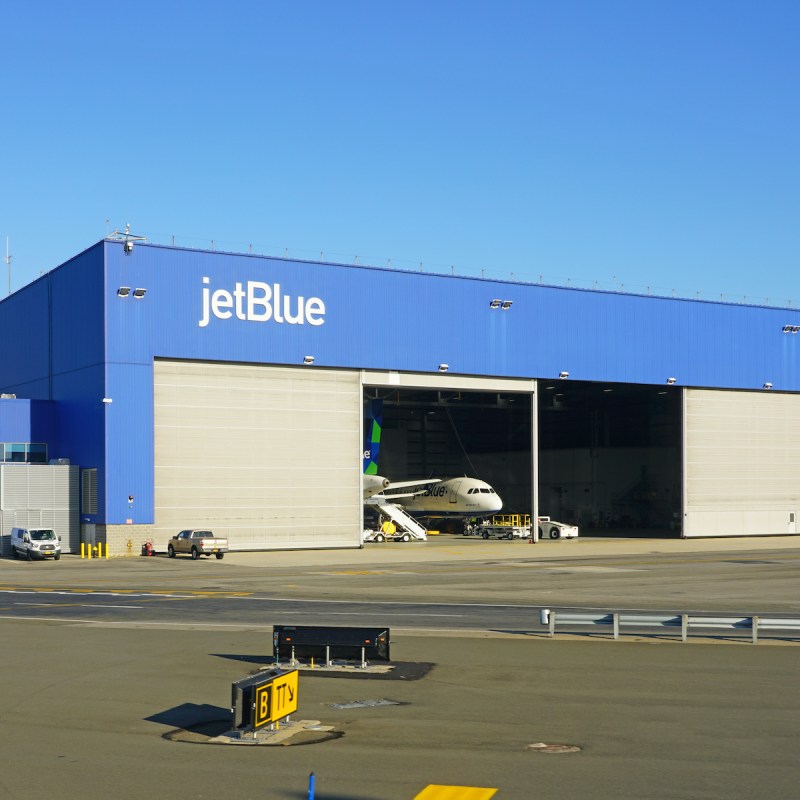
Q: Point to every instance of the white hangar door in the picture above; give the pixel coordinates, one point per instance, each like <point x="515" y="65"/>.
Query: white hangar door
<point x="268" y="456"/>
<point x="741" y="456"/>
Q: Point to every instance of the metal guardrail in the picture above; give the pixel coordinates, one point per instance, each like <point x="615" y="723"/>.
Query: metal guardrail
<point x="618" y="619"/>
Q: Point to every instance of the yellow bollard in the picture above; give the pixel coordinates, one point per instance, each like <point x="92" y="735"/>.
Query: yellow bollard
<point x="82" y="555"/>
<point x="312" y="662"/>
<point x="106" y="551"/>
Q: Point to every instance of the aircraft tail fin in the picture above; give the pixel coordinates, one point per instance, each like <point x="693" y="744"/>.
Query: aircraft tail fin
<point x="372" y="442"/>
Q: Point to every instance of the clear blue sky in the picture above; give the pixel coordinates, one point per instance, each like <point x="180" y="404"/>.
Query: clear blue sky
<point x="633" y="144"/>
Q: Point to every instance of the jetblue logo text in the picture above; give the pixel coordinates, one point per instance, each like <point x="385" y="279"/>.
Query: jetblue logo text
<point x="435" y="491"/>
<point x="260" y="302"/>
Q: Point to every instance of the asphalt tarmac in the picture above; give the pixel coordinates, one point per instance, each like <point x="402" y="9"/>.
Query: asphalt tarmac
<point x="89" y="701"/>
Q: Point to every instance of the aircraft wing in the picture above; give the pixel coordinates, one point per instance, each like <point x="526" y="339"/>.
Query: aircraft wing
<point x="406" y="484"/>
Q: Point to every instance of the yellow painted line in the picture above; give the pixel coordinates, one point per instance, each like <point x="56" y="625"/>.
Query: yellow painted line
<point x="361" y="572"/>
<point x="437" y="792"/>
<point x="159" y="593"/>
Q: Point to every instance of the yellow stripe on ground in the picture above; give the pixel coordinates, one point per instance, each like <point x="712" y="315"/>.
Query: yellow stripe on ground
<point x="436" y="792"/>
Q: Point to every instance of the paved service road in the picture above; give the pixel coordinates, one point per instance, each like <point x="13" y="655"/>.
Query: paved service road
<point x="750" y="577"/>
<point x="250" y="611"/>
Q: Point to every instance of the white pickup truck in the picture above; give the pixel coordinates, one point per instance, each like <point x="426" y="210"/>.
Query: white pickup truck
<point x="196" y="544"/>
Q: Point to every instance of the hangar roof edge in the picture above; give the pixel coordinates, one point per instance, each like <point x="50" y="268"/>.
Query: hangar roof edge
<point x="467" y="277"/>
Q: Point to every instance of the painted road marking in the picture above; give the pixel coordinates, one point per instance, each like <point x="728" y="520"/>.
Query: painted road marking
<point x="438" y="792"/>
<point x="176" y="594"/>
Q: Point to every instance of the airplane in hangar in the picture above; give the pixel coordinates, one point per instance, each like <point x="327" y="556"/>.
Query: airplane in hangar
<point x="429" y="497"/>
<point x="435" y="497"/>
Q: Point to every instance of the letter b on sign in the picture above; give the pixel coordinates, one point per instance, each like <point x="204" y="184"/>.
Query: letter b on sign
<point x="263" y="694"/>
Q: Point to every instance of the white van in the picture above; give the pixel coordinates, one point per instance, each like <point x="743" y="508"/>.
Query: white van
<point x="35" y="543"/>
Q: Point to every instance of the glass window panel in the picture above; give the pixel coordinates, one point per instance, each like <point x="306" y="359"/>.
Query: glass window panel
<point x="37" y="453"/>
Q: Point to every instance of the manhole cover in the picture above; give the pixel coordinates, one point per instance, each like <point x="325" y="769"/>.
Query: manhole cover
<point x="541" y="747"/>
<point x="365" y="703"/>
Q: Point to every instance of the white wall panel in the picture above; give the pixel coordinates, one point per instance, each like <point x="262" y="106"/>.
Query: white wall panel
<point x="41" y="496"/>
<point x="741" y="456"/>
<point x="268" y="456"/>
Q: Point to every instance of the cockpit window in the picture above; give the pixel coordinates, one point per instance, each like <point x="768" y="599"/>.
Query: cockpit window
<point x="486" y="491"/>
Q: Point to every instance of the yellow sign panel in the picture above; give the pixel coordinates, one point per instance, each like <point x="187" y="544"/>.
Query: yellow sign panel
<point x="276" y="699"/>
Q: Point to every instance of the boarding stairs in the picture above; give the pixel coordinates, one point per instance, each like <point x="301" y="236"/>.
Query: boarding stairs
<point x="400" y="517"/>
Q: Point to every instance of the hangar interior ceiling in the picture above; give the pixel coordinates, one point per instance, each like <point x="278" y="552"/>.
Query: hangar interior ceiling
<point x="609" y="454"/>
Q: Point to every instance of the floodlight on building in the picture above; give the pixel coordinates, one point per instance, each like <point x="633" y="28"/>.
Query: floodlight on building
<point x="767" y="385"/>
<point x="671" y="381"/>
<point x="495" y="303"/>
<point x="308" y="359"/>
<point x="107" y="401"/>
<point x="506" y="304"/>
<point x="444" y="367"/>
<point x="123" y="291"/>
<point x="128" y="247"/>
<point x="563" y="375"/>
<point x="139" y="293"/>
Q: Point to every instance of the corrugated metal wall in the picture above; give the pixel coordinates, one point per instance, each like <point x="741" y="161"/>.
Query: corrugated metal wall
<point x="268" y="457"/>
<point x="42" y="497"/>
<point x="741" y="456"/>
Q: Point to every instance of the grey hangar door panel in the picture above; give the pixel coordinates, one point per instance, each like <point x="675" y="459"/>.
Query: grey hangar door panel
<point x="267" y="456"/>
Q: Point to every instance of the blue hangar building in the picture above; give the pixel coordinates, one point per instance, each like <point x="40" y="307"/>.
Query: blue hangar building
<point x="165" y="388"/>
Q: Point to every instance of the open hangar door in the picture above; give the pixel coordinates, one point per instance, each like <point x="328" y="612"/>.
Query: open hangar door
<point x="610" y="457"/>
<point x="476" y="427"/>
<point x="263" y="455"/>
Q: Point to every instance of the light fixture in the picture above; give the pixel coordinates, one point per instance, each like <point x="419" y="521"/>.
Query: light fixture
<point x="127" y="238"/>
<point x="139" y="293"/>
<point x="671" y="381"/>
<point x="767" y="385"/>
<point x="791" y="328"/>
<point x="495" y="303"/>
<point x="124" y="291"/>
<point x="444" y="367"/>
<point x="506" y="304"/>
<point x="108" y="401"/>
<point x="308" y="359"/>
<point x="563" y="375"/>
<point x="795" y="328"/>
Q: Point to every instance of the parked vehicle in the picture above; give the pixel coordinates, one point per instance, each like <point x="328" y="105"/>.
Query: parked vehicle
<point x="550" y="529"/>
<point x="500" y="526"/>
<point x="37" y="543"/>
<point x="196" y="544"/>
<point x="383" y="536"/>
